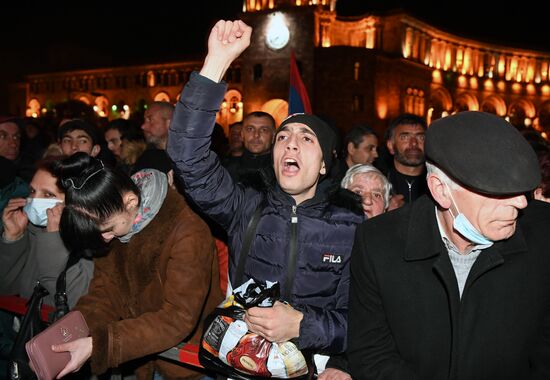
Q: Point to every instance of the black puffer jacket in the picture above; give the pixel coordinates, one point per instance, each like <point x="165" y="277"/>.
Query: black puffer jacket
<point x="316" y="235"/>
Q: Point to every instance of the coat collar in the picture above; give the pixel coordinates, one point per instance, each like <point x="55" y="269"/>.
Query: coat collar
<point x="423" y="239"/>
<point x="422" y="234"/>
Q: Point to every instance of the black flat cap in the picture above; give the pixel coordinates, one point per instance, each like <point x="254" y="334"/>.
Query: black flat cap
<point x="483" y="152"/>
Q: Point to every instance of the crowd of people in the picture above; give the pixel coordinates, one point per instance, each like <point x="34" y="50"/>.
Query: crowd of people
<point x="420" y="258"/>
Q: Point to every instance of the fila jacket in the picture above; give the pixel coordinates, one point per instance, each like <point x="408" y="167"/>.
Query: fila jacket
<point x="306" y="247"/>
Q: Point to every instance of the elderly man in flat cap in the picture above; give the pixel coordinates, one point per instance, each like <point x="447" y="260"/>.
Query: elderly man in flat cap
<point x="457" y="286"/>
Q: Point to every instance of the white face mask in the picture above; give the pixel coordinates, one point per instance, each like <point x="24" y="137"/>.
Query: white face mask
<point x="466" y="228"/>
<point x="36" y="209"/>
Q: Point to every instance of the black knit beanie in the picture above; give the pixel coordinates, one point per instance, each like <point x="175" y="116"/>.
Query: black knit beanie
<point x="325" y="134"/>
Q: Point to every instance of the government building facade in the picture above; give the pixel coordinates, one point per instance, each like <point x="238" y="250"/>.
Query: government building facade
<point x="365" y="69"/>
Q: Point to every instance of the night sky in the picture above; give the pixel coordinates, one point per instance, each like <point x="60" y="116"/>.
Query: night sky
<point x="46" y="38"/>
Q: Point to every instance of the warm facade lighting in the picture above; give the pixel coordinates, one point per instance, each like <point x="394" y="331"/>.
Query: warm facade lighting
<point x="516" y="87"/>
<point x="407" y="43"/>
<point x="381" y="109"/>
<point x="473" y="83"/>
<point x="527" y="121"/>
<point x="462" y="81"/>
<point x="436" y="76"/>
<point x="545" y="90"/>
<point x="501" y="85"/>
<point x="531" y="90"/>
<point x="488" y="85"/>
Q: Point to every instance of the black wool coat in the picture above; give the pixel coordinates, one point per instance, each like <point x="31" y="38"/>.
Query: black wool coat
<point x="407" y="320"/>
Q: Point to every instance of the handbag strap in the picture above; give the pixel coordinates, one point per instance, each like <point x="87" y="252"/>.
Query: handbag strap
<point x="31" y="323"/>
<point x="61" y="303"/>
<point x="247" y="241"/>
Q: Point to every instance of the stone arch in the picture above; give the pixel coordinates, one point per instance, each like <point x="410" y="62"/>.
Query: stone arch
<point x="494" y="104"/>
<point x="84" y="98"/>
<point x="102" y="106"/>
<point x="521" y="113"/>
<point x="440" y="104"/>
<point x="162" y="96"/>
<point x="526" y="105"/>
<point x="278" y="108"/>
<point x="33" y="108"/>
<point x="231" y="110"/>
<point x="466" y="102"/>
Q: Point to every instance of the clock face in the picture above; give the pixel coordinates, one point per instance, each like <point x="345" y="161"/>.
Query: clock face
<point x="277" y="34"/>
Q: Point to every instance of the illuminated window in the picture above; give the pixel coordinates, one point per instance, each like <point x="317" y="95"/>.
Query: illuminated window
<point x="162" y="97"/>
<point x="356" y="68"/>
<point x="151" y="80"/>
<point x="258" y="72"/>
<point x="358" y="103"/>
<point x="414" y="101"/>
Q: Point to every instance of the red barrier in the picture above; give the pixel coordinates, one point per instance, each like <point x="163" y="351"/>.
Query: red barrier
<point x="18" y="305"/>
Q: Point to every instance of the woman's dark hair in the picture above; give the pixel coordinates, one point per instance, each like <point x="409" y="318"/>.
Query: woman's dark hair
<point x="50" y="164"/>
<point x="93" y="194"/>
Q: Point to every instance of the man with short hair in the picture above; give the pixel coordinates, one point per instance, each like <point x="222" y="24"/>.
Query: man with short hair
<point x="301" y="240"/>
<point x="78" y="135"/>
<point x="10" y="138"/>
<point x="405" y="141"/>
<point x="257" y="135"/>
<point x="457" y="286"/>
<point x="156" y="122"/>
<point x="360" y="146"/>
<point x="11" y="133"/>
<point x="236" y="147"/>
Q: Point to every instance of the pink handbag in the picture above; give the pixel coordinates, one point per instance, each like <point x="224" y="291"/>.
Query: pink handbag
<point x="46" y="363"/>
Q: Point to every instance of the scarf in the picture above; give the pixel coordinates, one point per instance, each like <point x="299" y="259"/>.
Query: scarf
<point x="153" y="185"/>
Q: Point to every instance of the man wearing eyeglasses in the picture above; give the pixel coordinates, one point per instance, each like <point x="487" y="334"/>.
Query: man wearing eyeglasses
<point x="405" y="141"/>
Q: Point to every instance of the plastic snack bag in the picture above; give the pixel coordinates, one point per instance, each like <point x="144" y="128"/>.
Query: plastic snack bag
<point x="228" y="347"/>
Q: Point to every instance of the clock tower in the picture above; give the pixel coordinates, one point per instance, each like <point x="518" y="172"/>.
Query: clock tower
<point x="279" y="28"/>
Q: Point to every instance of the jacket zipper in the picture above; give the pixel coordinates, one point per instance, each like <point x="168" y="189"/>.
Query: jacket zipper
<point x="291" y="267"/>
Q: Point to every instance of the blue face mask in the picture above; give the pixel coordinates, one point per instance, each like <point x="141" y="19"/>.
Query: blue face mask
<point x="36" y="210"/>
<point x="466" y="229"/>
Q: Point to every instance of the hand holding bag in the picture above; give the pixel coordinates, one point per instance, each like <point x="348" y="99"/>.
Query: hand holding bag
<point x="46" y="363"/>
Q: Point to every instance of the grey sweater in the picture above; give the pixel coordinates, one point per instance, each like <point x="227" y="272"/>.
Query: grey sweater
<point x="41" y="256"/>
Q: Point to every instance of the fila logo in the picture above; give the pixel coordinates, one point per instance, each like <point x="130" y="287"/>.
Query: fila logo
<point x="333" y="259"/>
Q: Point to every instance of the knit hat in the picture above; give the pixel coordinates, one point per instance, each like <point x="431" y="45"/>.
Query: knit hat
<point x="324" y="133"/>
<point x="483" y="152"/>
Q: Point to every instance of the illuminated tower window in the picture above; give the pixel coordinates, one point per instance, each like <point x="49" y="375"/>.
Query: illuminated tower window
<point x="358" y="103"/>
<point x="356" y="68"/>
<point x="151" y="81"/>
<point x="370" y="34"/>
<point x="258" y="72"/>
